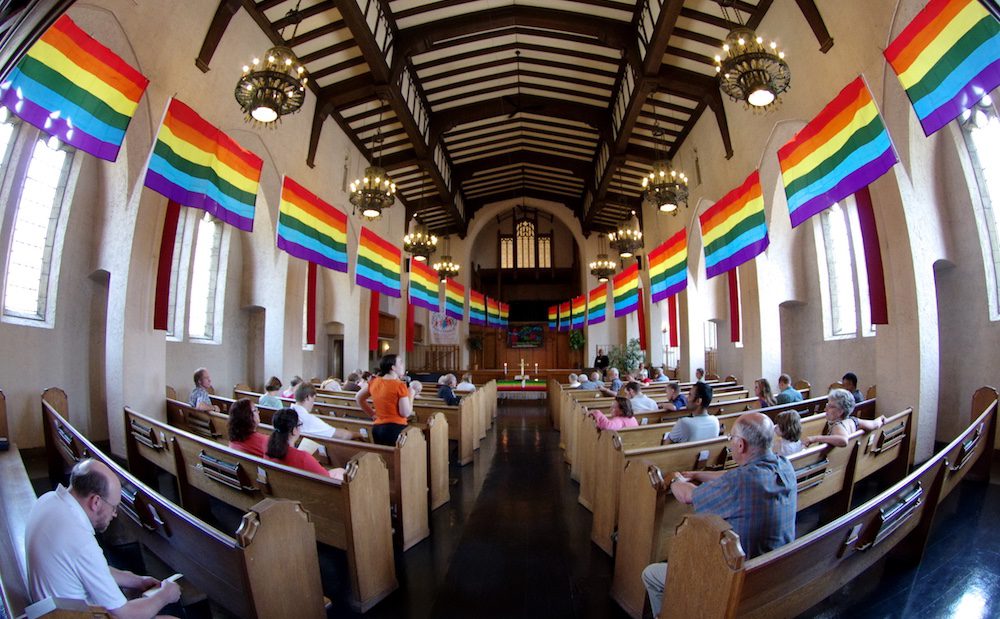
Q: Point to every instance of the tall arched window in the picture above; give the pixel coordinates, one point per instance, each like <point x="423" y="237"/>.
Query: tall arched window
<point x="525" y="244"/>
<point x="525" y="248"/>
<point x="843" y="274"/>
<point x="981" y="127"/>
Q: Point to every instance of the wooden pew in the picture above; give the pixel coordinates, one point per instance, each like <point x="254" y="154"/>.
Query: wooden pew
<point x="352" y="515"/>
<point x="645" y="528"/>
<point x="407" y="464"/>
<point x="236" y="571"/>
<point x="710" y="577"/>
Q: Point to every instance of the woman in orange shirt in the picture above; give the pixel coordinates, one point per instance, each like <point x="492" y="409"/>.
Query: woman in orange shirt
<point x="393" y="400"/>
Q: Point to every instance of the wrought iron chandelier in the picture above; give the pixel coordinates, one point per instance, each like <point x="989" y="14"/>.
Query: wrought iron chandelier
<point x="375" y="191"/>
<point x="274" y="86"/>
<point x="419" y="242"/>
<point x="602" y="268"/>
<point x="748" y="70"/>
<point x="628" y="238"/>
<point x="664" y="187"/>
<point x="446" y="267"/>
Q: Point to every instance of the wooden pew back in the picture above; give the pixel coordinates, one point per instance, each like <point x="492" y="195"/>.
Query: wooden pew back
<point x="204" y="467"/>
<point x="235" y="571"/>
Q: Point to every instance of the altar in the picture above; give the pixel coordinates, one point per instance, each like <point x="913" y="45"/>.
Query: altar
<point x="525" y="389"/>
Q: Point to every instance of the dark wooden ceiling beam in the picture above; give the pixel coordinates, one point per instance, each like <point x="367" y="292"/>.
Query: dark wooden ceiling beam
<point x="305" y="37"/>
<point x="473" y="205"/>
<point x="520" y="72"/>
<point x="467" y="171"/>
<point x="304" y="14"/>
<point x="541" y="62"/>
<point x="515" y="133"/>
<point x="548" y="124"/>
<point x="815" y="21"/>
<point x="548" y="49"/>
<point x="319" y="54"/>
<point x="220" y="21"/>
<point x="388" y="89"/>
<point x="531" y="104"/>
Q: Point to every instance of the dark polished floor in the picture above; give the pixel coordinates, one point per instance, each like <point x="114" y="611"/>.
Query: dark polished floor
<point x="514" y="542"/>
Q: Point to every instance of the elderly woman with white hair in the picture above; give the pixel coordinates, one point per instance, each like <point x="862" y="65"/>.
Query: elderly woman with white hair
<point x="840" y="422"/>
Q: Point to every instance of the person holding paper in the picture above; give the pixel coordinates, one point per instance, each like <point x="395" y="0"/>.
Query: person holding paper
<point x="64" y="559"/>
<point x="281" y="446"/>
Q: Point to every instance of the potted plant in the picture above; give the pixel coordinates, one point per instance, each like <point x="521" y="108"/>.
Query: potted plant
<point x="576" y="343"/>
<point x="627" y="358"/>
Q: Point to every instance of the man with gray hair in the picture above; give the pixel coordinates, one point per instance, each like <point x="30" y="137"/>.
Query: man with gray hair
<point x="594" y="382"/>
<point x="616" y="383"/>
<point x="757" y="498"/>
<point x="64" y="559"/>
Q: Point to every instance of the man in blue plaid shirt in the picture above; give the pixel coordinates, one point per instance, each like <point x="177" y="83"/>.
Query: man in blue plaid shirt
<point x="757" y="498"/>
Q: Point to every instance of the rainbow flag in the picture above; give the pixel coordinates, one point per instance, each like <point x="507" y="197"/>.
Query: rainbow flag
<point x="492" y="313"/>
<point x="668" y="267"/>
<point x="597" y="306"/>
<point x="196" y="165"/>
<point x="311" y="229"/>
<point x="625" y="286"/>
<point x="70" y="86"/>
<point x="947" y="58"/>
<point x="477" y="308"/>
<point x="454" y="299"/>
<point x="504" y="314"/>
<point x="377" y="266"/>
<point x="579" y="312"/>
<point x="554" y="317"/>
<point x="840" y="151"/>
<point x="424" y="287"/>
<point x="734" y="229"/>
<point x="565" y="315"/>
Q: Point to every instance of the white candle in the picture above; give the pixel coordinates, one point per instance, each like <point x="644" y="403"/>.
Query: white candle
<point x="536" y="368"/>
<point x="505" y="367"/>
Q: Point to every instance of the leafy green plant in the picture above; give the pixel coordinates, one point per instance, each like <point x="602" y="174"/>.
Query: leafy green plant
<point x="474" y="342"/>
<point x="627" y="358"/>
<point x="576" y="340"/>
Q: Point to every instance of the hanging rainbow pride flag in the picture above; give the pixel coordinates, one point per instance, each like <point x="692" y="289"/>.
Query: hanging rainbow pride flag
<point x="625" y="287"/>
<point x="311" y="229"/>
<point x="668" y="267"/>
<point x="947" y="58"/>
<point x="196" y="165"/>
<point x="504" y="314"/>
<point x="579" y="312"/>
<point x="492" y="313"/>
<point x="597" y="305"/>
<point x="70" y="86"/>
<point x="840" y="151"/>
<point x="734" y="229"/>
<point x="424" y="287"/>
<point x="553" y="317"/>
<point x="477" y="308"/>
<point x="454" y="299"/>
<point x="565" y="315"/>
<point x="378" y="264"/>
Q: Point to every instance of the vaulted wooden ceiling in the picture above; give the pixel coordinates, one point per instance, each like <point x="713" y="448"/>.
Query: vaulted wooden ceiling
<point x="477" y="101"/>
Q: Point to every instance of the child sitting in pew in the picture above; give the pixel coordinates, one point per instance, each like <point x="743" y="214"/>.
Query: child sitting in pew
<point x="243" y="435"/>
<point x="621" y="416"/>
<point x="281" y="446"/>
<point x="788" y="433"/>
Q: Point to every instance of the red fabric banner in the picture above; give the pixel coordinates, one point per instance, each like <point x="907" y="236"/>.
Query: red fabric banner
<point x="311" y="305"/>
<point x="373" y="322"/>
<point x="734" y="306"/>
<point x="161" y="304"/>
<point x="409" y="327"/>
<point x="643" y="330"/>
<point x="672" y="312"/>
<point x="873" y="257"/>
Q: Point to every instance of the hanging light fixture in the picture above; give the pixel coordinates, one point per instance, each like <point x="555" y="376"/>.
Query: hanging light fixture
<point x="628" y="238"/>
<point x="375" y="191"/>
<point x="419" y="242"/>
<point x="664" y="187"/>
<point x="446" y="267"/>
<point x="748" y="70"/>
<point x="604" y="267"/>
<point x="273" y="85"/>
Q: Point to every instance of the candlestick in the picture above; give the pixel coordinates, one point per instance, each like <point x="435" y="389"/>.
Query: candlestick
<point x="505" y="368"/>
<point x="536" y="369"/>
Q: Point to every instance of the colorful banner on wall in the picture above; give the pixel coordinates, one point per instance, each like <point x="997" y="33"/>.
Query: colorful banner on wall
<point x="625" y="288"/>
<point x="492" y="313"/>
<point x="734" y="229"/>
<point x="840" y="151"/>
<point x="424" y="287"/>
<point x="477" y="308"/>
<point x="311" y="229"/>
<point x="597" y="304"/>
<point x="504" y="314"/>
<point x="668" y="267"/>
<point x="579" y="312"/>
<point x="454" y="299"/>
<point x="196" y="165"/>
<point x="947" y="58"/>
<point x="70" y="86"/>
<point x="378" y="264"/>
<point x="553" y="317"/>
<point x="565" y="315"/>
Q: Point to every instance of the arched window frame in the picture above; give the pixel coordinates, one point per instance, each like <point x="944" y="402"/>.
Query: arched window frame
<point x="842" y="319"/>
<point x="18" y="155"/>
<point x="981" y="127"/>
<point x="184" y="284"/>
<point x="511" y="252"/>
